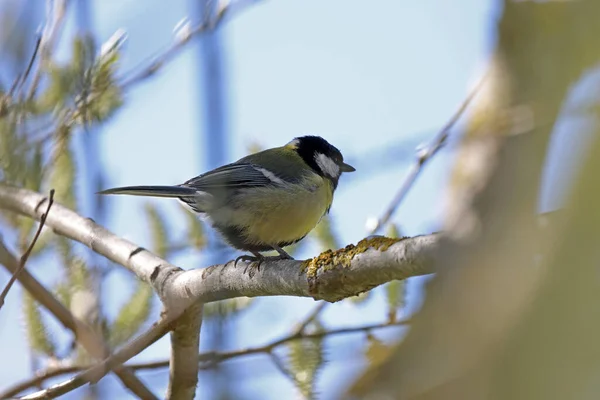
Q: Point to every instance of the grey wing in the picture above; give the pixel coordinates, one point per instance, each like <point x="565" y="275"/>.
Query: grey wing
<point x="215" y="186"/>
<point x="233" y="176"/>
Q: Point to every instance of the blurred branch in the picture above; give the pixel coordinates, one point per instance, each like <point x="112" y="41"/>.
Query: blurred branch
<point x="424" y="155"/>
<point x="207" y="360"/>
<point x="21" y="78"/>
<point x="38" y="380"/>
<point x="56" y="11"/>
<point x="495" y="261"/>
<point x="82" y="332"/>
<point x="184" y="34"/>
<point x="185" y="348"/>
<point x="311" y="317"/>
<point x="25" y="255"/>
<point x="115" y="361"/>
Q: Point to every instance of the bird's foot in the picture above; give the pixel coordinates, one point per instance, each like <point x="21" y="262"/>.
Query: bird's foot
<point x="244" y="258"/>
<point x="253" y="261"/>
<point x="256" y="260"/>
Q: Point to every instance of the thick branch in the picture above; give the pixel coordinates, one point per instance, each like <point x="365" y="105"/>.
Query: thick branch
<point x="185" y="348"/>
<point x="331" y="276"/>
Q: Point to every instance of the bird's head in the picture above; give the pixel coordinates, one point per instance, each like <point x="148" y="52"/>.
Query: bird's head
<point x="324" y="158"/>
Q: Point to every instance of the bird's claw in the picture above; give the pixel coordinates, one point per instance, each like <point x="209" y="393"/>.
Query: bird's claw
<point x="254" y="263"/>
<point x="245" y="258"/>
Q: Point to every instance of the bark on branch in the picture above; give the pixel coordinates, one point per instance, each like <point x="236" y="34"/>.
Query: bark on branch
<point x="331" y="276"/>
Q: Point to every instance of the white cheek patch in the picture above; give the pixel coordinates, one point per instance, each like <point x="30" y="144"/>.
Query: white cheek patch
<point x="270" y="176"/>
<point x="327" y="165"/>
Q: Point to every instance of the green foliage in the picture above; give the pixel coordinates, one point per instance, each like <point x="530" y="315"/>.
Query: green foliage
<point x="134" y="313"/>
<point x="86" y="83"/>
<point x="376" y="351"/>
<point x="13" y="165"/>
<point x="195" y="230"/>
<point x="393" y="231"/>
<point x="27" y="231"/>
<point x="306" y="358"/>
<point x="63" y="291"/>
<point x="63" y="175"/>
<point x="227" y="308"/>
<point x="106" y="94"/>
<point x="37" y="332"/>
<point x="395" y="293"/>
<point x="325" y="235"/>
<point x="64" y="247"/>
<point x="34" y="173"/>
<point x="158" y="230"/>
<point x="79" y="274"/>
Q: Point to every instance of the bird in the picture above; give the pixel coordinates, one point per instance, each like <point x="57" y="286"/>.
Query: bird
<point x="265" y="201"/>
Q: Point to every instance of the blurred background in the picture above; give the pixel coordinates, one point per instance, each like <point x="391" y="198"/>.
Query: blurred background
<point x="377" y="79"/>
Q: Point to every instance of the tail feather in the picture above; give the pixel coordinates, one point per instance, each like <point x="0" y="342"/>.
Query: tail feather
<point x="152" y="191"/>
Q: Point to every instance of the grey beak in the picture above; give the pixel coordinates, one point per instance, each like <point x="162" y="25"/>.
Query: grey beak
<point x="347" y="168"/>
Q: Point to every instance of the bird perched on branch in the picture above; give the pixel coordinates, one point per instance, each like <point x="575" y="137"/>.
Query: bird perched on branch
<point x="266" y="200"/>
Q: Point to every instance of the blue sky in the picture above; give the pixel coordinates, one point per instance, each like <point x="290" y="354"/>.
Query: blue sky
<point x="364" y="75"/>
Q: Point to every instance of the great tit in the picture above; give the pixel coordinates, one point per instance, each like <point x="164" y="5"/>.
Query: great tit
<point x="266" y="200"/>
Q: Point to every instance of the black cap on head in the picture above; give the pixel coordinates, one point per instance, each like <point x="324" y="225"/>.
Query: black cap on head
<point x="324" y="158"/>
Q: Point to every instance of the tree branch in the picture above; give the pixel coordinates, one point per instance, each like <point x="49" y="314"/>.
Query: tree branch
<point x="56" y="12"/>
<point x="25" y="255"/>
<point x="86" y="336"/>
<point x="207" y="360"/>
<point x="185" y="344"/>
<point x="115" y="362"/>
<point x="422" y="157"/>
<point x="331" y="276"/>
<point x="183" y="37"/>
<point x="314" y="314"/>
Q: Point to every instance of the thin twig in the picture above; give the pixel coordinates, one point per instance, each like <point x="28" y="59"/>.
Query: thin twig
<point x="21" y="78"/>
<point x="96" y="372"/>
<point x="56" y="13"/>
<point x="208" y="25"/>
<point x="311" y="317"/>
<point x="34" y="55"/>
<point x="422" y="157"/>
<point x="27" y="253"/>
<point x="207" y="359"/>
<point x="38" y="379"/>
<point x="83" y="333"/>
<point x="142" y="72"/>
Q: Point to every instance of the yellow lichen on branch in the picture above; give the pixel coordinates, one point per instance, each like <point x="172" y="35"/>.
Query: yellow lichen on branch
<point x="344" y="256"/>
